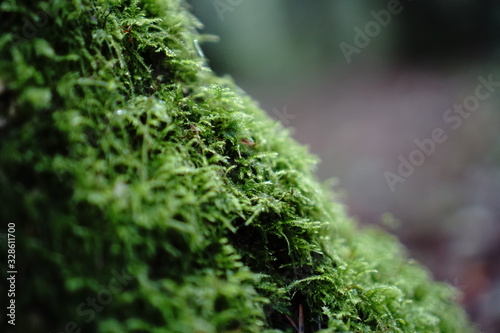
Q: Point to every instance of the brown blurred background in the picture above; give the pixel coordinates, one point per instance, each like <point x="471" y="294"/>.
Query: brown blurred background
<point x="360" y="110"/>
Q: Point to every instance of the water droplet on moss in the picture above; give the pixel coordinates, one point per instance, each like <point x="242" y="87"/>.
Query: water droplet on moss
<point x="159" y="106"/>
<point x="198" y="48"/>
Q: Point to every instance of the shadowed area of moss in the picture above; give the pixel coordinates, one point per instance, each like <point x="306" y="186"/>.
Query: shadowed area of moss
<point x="150" y="195"/>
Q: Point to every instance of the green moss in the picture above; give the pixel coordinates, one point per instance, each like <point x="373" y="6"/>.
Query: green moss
<point x="123" y="155"/>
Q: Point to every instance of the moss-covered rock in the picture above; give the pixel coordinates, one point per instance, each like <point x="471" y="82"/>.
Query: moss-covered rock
<point x="150" y="195"/>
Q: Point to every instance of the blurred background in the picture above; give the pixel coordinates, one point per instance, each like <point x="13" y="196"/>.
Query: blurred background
<point x="359" y="82"/>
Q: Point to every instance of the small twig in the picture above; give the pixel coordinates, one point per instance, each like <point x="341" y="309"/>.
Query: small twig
<point x="291" y="322"/>
<point x="301" y="319"/>
<point x="299" y="329"/>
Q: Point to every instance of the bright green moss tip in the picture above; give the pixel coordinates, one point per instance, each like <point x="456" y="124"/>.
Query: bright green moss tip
<point x="150" y="195"/>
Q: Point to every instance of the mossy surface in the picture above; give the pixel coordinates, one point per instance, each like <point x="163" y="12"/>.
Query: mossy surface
<point x="138" y="178"/>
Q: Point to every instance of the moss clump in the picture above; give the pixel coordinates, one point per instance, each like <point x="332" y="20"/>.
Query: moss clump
<point x="150" y="195"/>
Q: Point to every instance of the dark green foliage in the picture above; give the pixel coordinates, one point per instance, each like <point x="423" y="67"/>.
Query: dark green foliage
<point x="122" y="154"/>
